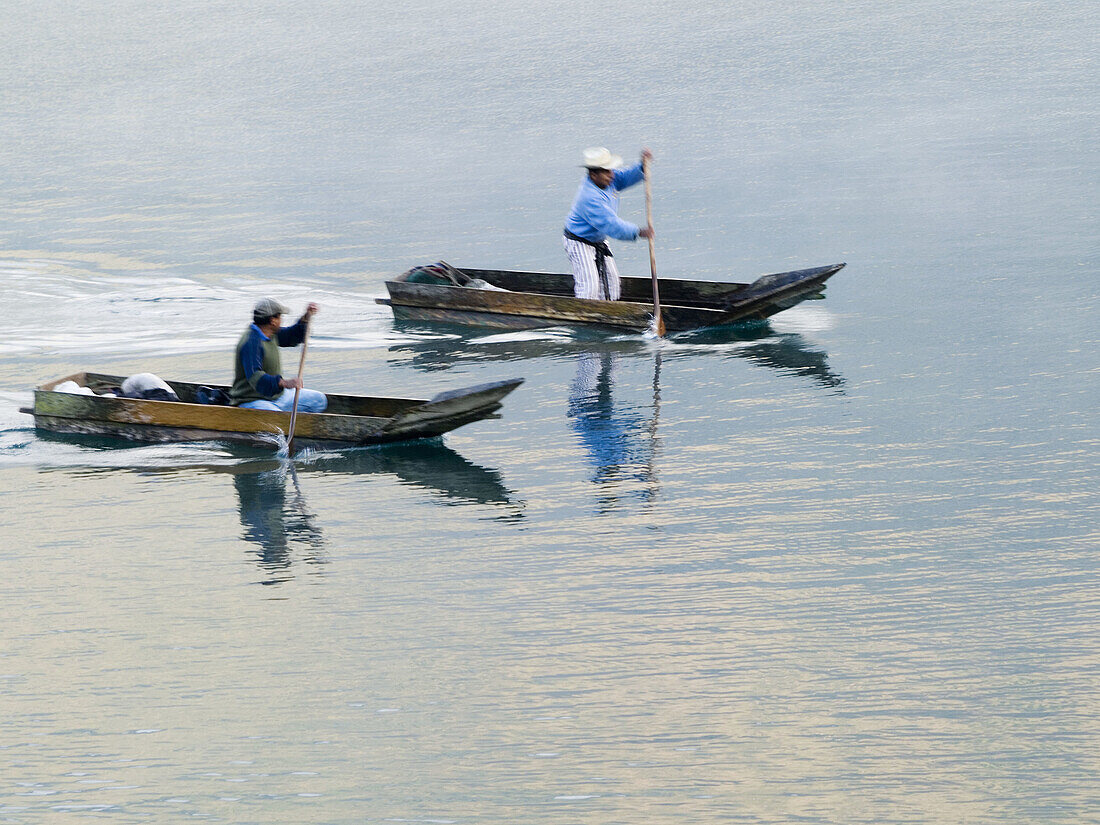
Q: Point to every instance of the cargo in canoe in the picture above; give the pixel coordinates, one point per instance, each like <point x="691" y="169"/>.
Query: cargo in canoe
<point x="350" y="420"/>
<point x="524" y="300"/>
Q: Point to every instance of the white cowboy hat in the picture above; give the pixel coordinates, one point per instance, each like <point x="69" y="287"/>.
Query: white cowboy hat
<point x="599" y="158"/>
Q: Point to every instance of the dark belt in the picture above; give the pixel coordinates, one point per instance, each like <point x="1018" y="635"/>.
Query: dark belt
<point x="603" y="252"/>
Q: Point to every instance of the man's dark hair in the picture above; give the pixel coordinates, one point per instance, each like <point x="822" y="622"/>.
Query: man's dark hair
<point x="259" y="320"/>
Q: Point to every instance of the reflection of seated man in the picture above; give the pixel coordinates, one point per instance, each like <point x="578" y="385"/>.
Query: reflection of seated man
<point x="273" y="523"/>
<point x="262" y="497"/>
<point x="257" y="380"/>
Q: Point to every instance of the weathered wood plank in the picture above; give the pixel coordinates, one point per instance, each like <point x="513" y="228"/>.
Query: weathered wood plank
<point x="492" y="320"/>
<point x="710" y="294"/>
<point x="550" y="307"/>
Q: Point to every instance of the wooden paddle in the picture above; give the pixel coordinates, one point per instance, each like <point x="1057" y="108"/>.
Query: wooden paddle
<point x="658" y="321"/>
<point x="297" y="391"/>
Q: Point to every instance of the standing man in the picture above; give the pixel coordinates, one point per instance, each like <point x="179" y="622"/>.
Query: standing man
<point x="257" y="382"/>
<point x="595" y="218"/>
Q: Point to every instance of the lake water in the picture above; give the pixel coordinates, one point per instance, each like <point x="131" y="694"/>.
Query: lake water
<point x="841" y="568"/>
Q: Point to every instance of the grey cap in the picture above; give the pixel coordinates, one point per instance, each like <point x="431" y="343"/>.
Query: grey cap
<point x="269" y="307"/>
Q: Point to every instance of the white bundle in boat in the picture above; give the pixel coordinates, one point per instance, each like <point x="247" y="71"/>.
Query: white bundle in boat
<point x="149" y="386"/>
<point x="478" y="283"/>
<point x="73" y="387"/>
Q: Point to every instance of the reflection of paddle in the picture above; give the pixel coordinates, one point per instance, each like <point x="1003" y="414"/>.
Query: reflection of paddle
<point x="651" y="474"/>
<point x="658" y="322"/>
<point x="297" y="391"/>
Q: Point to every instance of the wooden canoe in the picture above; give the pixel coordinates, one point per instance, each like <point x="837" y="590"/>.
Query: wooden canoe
<point x="525" y="300"/>
<point x="350" y="420"/>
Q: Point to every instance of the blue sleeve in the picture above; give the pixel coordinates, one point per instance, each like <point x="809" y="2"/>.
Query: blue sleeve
<point x="625" y="178"/>
<point x="252" y="359"/>
<point x="603" y="219"/>
<point x="292" y="336"/>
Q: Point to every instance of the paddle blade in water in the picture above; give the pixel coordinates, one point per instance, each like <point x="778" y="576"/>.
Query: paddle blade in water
<point x="656" y="328"/>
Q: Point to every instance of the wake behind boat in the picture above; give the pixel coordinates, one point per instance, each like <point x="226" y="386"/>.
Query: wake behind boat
<point x="349" y="420"/>
<point x="525" y="300"/>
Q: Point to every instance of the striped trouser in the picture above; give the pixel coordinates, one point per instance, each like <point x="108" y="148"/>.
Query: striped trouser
<point x="586" y="280"/>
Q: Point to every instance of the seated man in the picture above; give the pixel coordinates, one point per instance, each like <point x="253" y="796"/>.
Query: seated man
<point x="257" y="382"/>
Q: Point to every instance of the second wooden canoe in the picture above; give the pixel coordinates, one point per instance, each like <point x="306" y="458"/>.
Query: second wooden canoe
<point x="524" y="300"/>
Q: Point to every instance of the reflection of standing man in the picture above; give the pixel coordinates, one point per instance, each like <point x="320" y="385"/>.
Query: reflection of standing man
<point x="595" y="218"/>
<point x="611" y="440"/>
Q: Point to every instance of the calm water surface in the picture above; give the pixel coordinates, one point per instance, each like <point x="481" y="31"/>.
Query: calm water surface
<point x="839" y="568"/>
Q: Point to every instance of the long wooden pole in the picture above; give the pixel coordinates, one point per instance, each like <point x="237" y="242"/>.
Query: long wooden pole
<point x="658" y="321"/>
<point x="297" y="391"/>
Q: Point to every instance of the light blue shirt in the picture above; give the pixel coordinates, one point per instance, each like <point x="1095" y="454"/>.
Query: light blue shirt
<point x="595" y="211"/>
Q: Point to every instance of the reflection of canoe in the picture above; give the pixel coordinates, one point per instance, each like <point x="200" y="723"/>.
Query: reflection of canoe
<point x="349" y="419"/>
<point x="424" y="464"/>
<point x="535" y="299"/>
<point x="430" y="466"/>
<point x="787" y="352"/>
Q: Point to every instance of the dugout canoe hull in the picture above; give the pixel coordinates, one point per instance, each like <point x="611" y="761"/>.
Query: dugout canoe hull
<point x="540" y="299"/>
<point x="350" y="420"/>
